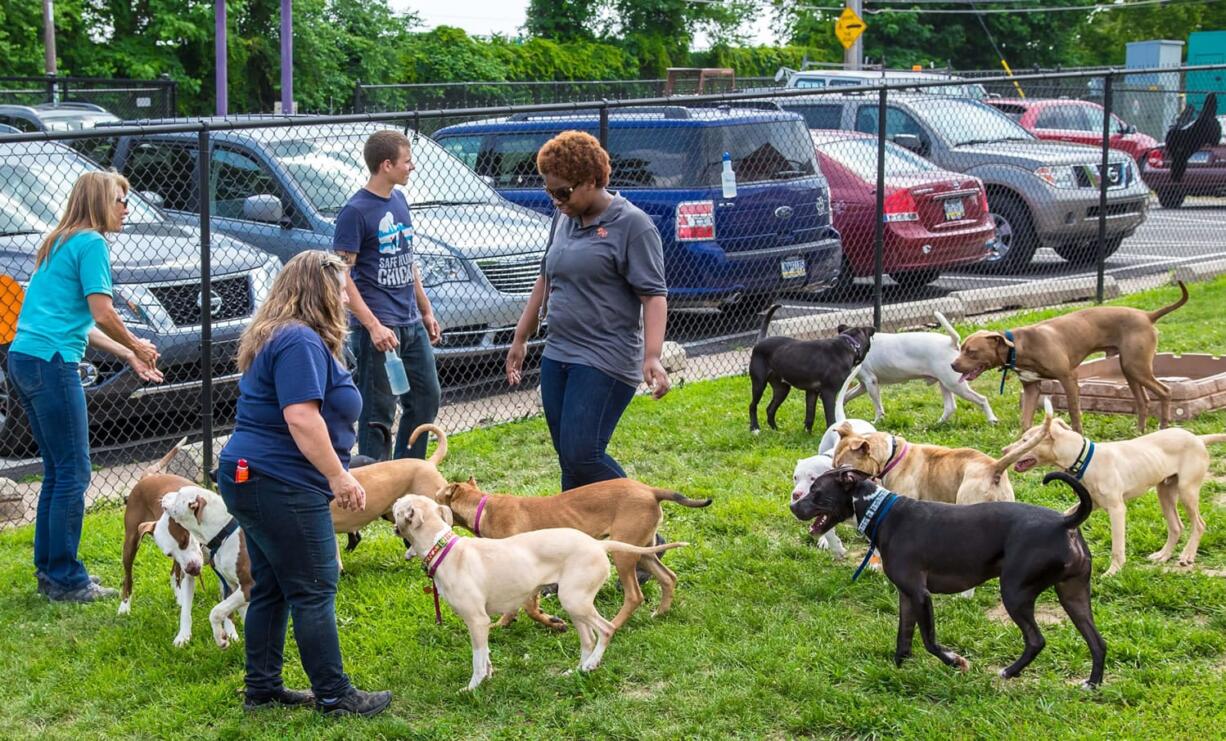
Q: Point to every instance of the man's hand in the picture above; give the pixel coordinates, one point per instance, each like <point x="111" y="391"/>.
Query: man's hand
<point x="433" y="331"/>
<point x="143" y="370"/>
<point x="348" y="492"/>
<point x="383" y="338"/>
<point x="515" y="361"/>
<point x="656" y="377"/>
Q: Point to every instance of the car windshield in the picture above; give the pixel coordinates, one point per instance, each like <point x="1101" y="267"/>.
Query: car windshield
<point x="860" y="156"/>
<point x="961" y="122"/>
<point x="34" y="190"/>
<point x="329" y="169"/>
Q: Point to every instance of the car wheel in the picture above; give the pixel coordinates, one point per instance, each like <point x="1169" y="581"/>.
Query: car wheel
<point x="1015" y="242"/>
<point x="1086" y="253"/>
<point x="1171" y="197"/>
<point x="916" y="278"/>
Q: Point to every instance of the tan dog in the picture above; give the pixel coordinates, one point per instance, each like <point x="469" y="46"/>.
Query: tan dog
<point x="618" y="509"/>
<point x="1174" y="461"/>
<point x="387" y="481"/>
<point x="480" y="576"/>
<point x="926" y="472"/>
<point x="1055" y="347"/>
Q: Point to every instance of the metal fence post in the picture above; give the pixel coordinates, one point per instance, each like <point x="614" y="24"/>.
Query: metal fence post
<point x="1102" y="185"/>
<point x="206" y="291"/>
<point x="358" y="103"/>
<point x="879" y="221"/>
<point x="604" y="124"/>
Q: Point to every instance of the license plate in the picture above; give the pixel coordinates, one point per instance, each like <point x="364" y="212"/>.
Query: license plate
<point x="1199" y="158"/>
<point x="793" y="267"/>
<point x="955" y="209"/>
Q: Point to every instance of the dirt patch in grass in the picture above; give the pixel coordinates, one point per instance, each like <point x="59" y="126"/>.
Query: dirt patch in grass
<point x="1043" y="614"/>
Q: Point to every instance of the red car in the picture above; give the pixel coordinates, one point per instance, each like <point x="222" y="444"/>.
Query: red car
<point x="1205" y="176"/>
<point x="934" y="219"/>
<point x="1075" y="121"/>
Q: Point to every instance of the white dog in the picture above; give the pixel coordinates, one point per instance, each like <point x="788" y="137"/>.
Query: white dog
<point x="480" y="576"/>
<point x="808" y="469"/>
<point x="203" y="514"/>
<point x="926" y="356"/>
<point x="188" y="560"/>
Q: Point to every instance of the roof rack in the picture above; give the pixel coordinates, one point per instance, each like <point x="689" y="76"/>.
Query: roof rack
<point x="664" y="111"/>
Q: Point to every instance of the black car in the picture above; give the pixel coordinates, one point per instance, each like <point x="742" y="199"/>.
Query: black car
<point x="155" y="265"/>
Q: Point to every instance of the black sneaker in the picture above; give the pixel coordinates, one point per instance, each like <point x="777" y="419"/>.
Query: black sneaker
<point x="357" y="702"/>
<point x="89" y="593"/>
<point x="45" y="587"/>
<point x="285" y="698"/>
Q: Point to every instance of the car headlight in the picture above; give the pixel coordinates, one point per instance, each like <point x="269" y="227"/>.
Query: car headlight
<point x="437" y="269"/>
<point x="823" y="201"/>
<point x="1057" y="177"/>
<point x="261" y="280"/>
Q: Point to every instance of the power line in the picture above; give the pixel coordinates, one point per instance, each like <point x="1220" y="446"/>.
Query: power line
<point x="1056" y="9"/>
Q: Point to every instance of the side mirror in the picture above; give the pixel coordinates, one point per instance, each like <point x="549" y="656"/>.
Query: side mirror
<point x="910" y="141"/>
<point x="1128" y="129"/>
<point x="264" y="208"/>
<point x="155" y="198"/>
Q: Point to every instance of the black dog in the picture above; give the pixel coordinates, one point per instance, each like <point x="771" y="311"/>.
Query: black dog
<point x="818" y="366"/>
<point x="945" y="548"/>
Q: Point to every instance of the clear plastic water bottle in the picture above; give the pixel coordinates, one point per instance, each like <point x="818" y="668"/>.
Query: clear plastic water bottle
<point x="396" y="376"/>
<point x="727" y="178"/>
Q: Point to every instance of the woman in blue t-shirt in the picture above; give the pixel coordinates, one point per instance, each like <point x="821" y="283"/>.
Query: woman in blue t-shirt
<point x="66" y="306"/>
<point x="288" y="457"/>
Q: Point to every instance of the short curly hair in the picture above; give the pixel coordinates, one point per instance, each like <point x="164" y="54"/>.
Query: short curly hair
<point x="575" y="156"/>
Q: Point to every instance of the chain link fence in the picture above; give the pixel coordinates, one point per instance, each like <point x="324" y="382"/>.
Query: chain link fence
<point x="126" y="99"/>
<point x="859" y="206"/>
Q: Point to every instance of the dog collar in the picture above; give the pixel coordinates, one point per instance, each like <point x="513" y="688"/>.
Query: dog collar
<point x="893" y="460"/>
<point x="1078" y="469"/>
<point x="214" y="545"/>
<point x="855" y="346"/>
<point x="1010" y="360"/>
<point x="883" y="500"/>
<point x="477" y="517"/>
<point x="433" y="559"/>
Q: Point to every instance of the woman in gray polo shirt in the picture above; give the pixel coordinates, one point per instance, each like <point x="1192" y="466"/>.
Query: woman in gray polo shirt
<point x="602" y="280"/>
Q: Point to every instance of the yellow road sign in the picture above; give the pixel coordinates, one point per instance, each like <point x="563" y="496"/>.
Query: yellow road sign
<point x="848" y="27"/>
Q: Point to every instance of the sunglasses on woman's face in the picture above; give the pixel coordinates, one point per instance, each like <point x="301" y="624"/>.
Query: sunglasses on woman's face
<point x="123" y="200"/>
<point x="561" y="195"/>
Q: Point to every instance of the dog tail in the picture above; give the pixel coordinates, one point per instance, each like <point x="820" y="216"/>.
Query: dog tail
<point x="1085" y="505"/>
<point x="160" y="465"/>
<point x="1183" y="299"/>
<point x="949" y="330"/>
<point x="766" y="321"/>
<point x="440" y="452"/>
<point x="1212" y="439"/>
<point x="679" y="498"/>
<point x="839" y="414"/>
<point x="1003" y="464"/>
<point x="616" y="546"/>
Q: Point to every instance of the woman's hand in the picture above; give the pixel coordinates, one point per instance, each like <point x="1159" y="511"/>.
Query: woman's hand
<point x="515" y="361"/>
<point x="348" y="492"/>
<point x="146" y="353"/>
<point x="143" y="370"/>
<point x="656" y="377"/>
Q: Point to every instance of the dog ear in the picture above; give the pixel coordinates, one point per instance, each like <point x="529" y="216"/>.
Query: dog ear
<point x="445" y="513"/>
<point x="472" y="482"/>
<point x="844" y="429"/>
<point x="841" y="328"/>
<point x="858" y="444"/>
<point x="179" y="533"/>
<point x="848" y="477"/>
<point x="1000" y="338"/>
<point x="197" y="506"/>
<point x="445" y="494"/>
<point x="870" y="331"/>
<point x="146" y="528"/>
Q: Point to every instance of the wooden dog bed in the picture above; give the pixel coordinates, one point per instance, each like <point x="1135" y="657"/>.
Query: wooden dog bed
<point x="1197" y="383"/>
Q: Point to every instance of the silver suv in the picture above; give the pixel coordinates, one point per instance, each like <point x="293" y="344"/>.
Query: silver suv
<point x="1041" y="194"/>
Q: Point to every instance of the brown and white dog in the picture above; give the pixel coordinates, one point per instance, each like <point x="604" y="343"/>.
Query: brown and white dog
<point x="480" y="576"/>
<point x="1174" y="461"/>
<point x="203" y="514"/>
<point x="619" y="509"/>
<point x="1055" y="347"/>
<point x="927" y="472"/>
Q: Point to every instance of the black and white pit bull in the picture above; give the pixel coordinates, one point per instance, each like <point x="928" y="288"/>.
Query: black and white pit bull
<point x="946" y="548"/>
<point x="819" y="367"/>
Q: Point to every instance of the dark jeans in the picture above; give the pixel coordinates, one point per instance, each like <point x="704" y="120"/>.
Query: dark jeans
<point x="50" y="393"/>
<point x="582" y="408"/>
<point x="294" y="570"/>
<point x="417" y="407"/>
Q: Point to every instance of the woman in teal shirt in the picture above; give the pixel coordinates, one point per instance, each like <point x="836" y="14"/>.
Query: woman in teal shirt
<point x="68" y="305"/>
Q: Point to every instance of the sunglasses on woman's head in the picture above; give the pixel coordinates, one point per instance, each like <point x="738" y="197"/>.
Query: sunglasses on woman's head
<point x="561" y="195"/>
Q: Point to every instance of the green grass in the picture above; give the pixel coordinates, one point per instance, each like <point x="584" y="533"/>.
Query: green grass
<point x="768" y="636"/>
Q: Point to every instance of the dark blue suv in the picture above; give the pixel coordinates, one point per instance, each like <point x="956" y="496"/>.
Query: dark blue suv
<point x="736" y="253"/>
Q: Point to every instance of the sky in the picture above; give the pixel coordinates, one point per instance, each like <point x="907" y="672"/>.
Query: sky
<point x="485" y="17"/>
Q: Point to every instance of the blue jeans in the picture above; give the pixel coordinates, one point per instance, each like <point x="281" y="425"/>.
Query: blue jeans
<point x="582" y="408"/>
<point x="417" y="407"/>
<point x="50" y="392"/>
<point x="293" y="566"/>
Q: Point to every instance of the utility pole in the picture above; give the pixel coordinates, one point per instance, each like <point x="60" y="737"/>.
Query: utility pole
<point x="49" y="48"/>
<point x="287" y="56"/>
<point x="220" y="72"/>
<point x="853" y="57"/>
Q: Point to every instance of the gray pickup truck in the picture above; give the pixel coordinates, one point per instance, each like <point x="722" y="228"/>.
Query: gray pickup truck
<point x="1041" y="194"/>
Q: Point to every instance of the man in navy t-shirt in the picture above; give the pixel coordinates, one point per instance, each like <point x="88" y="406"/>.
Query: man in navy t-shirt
<point x="374" y="236"/>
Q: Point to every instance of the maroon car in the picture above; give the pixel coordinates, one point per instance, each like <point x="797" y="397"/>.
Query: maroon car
<point x="1205" y="175"/>
<point x="934" y="219"/>
<point x="1074" y="121"/>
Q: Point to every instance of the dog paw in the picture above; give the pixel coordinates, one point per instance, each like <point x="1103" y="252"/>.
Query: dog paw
<point x="1088" y="686"/>
<point x="125" y="607"/>
<point x="558" y="624"/>
<point x="755" y="433"/>
<point x="1111" y="571"/>
<point x="589" y="665"/>
<point x="182" y="639"/>
<point x="1161" y="557"/>
<point x="1187" y="560"/>
<point x="822" y="545"/>
<point x="223" y="640"/>
<point x="958" y="662"/>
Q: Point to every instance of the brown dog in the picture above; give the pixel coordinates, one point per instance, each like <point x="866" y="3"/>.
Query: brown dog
<point x="387" y="481"/>
<point x="1055" y="347"/>
<point x="619" y="509"/>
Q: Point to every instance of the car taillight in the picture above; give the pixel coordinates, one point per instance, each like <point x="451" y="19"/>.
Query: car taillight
<point x="695" y="220"/>
<point x="983" y="202"/>
<point x="1155" y="158"/>
<point x="900" y="206"/>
